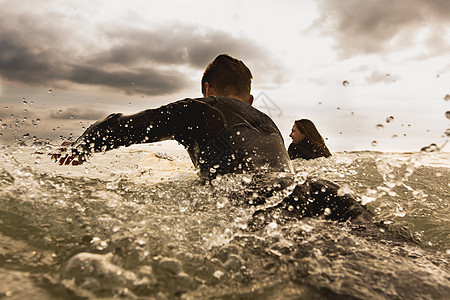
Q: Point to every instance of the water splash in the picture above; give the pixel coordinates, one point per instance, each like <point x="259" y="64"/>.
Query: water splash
<point x="134" y="240"/>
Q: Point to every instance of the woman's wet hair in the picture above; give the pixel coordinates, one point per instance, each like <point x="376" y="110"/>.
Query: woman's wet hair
<point x="307" y="128"/>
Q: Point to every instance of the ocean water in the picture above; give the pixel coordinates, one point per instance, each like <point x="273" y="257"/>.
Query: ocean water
<point x="136" y="223"/>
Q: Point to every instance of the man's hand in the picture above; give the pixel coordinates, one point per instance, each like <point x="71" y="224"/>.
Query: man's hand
<point x="64" y="157"/>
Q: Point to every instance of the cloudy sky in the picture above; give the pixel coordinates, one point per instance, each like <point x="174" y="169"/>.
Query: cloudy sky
<point x="371" y="75"/>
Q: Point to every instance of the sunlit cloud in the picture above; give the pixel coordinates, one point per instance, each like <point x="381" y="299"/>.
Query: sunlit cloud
<point x="384" y="26"/>
<point x="377" y="76"/>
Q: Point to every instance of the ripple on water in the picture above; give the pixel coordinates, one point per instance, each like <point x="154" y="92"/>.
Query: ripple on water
<point x="114" y="234"/>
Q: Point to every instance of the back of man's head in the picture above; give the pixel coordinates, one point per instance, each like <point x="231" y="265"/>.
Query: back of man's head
<point x="228" y="76"/>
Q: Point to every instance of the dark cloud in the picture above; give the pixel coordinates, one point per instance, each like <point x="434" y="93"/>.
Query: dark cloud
<point x="76" y="113"/>
<point x="23" y="60"/>
<point x="384" y="26"/>
<point x="187" y="45"/>
<point x="30" y="115"/>
<point x="61" y="50"/>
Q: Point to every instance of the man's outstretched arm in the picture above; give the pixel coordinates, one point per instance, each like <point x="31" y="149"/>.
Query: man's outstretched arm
<point x="190" y="121"/>
<point x="121" y="130"/>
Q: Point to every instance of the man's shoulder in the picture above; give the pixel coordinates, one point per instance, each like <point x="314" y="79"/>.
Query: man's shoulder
<point x="222" y="100"/>
<point x="215" y="100"/>
<point x="229" y="106"/>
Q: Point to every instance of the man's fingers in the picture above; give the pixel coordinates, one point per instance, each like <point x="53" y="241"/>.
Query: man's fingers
<point x="62" y="160"/>
<point x="66" y="158"/>
<point x="76" y="162"/>
<point x="70" y="160"/>
<point x="55" y="156"/>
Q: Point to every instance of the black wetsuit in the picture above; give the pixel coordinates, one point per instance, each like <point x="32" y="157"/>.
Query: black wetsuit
<point x="306" y="150"/>
<point x="223" y="135"/>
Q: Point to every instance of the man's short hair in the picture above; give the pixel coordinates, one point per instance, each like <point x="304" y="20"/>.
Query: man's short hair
<point x="228" y="76"/>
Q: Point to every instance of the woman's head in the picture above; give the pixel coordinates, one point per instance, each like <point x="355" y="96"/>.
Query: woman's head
<point x="305" y="129"/>
<point x="296" y="135"/>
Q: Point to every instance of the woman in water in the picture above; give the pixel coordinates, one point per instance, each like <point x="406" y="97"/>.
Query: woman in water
<point x="307" y="143"/>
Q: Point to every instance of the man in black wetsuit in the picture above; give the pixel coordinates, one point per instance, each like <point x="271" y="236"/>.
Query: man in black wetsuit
<point x="223" y="134"/>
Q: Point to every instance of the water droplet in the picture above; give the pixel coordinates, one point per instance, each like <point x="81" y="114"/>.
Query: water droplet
<point x="380" y="126"/>
<point x="399" y="211"/>
<point x="184" y="205"/>
<point x="1" y="120"/>
<point x="447" y="97"/>
<point x="389" y="119"/>
<point x="247" y="179"/>
<point x="1" y="134"/>
<point x="374" y="143"/>
<point x="345" y="83"/>
<point x="11" y="116"/>
<point x="26" y="135"/>
<point x="431" y="148"/>
<point x="222" y="201"/>
<point x="447" y="132"/>
<point x="218" y="274"/>
<point x="447" y="114"/>
<point x="4" y="126"/>
<point x="38" y="120"/>
<point x="50" y="91"/>
<point x="25" y="102"/>
<point x="71" y="116"/>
